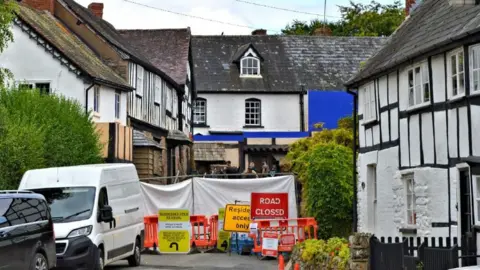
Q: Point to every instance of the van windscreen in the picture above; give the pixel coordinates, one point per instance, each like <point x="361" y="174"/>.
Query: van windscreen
<point x="69" y="203"/>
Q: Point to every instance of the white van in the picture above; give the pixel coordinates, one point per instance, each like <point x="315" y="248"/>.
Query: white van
<point x="92" y="206"/>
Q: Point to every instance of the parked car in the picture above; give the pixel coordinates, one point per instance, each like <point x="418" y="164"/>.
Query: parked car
<point x="97" y="211"/>
<point x="27" y="239"/>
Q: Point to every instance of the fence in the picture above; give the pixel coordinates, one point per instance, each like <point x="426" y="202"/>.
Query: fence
<point x="434" y="253"/>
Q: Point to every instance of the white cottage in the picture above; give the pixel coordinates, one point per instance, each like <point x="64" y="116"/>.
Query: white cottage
<point x="419" y="115"/>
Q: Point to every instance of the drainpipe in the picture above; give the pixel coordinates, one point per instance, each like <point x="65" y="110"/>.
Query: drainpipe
<point x="302" y="111"/>
<point x="355" y="197"/>
<point x="86" y="97"/>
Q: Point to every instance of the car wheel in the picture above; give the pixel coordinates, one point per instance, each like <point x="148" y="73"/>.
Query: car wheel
<point x="100" y="261"/>
<point x="39" y="262"/>
<point x="135" y="258"/>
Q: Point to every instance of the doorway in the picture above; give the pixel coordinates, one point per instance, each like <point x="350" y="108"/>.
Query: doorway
<point x="468" y="239"/>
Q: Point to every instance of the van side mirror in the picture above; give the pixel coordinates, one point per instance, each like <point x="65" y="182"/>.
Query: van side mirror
<point x="106" y="214"/>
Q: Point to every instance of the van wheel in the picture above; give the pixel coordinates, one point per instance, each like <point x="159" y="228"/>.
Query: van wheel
<point x="100" y="261"/>
<point x="135" y="259"/>
<point x="39" y="262"/>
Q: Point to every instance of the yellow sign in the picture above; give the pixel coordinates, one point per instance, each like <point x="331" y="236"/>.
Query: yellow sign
<point x="223" y="241"/>
<point x="174" y="215"/>
<point x="173" y="241"/>
<point x="237" y="218"/>
<point x="173" y="231"/>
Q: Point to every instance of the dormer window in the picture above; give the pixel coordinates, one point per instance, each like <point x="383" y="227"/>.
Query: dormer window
<point x="250" y="66"/>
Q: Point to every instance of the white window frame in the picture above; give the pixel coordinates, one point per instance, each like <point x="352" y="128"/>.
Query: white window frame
<point x="140" y="79"/>
<point x="96" y="99"/>
<point x="476" y="198"/>
<point x="198" y="104"/>
<point x="457" y="74"/>
<point x="118" y="104"/>
<point x="242" y="63"/>
<point x="253" y="115"/>
<point x="410" y="203"/>
<point x="369" y="103"/>
<point x="418" y="86"/>
<point x="474" y="56"/>
<point x="34" y="84"/>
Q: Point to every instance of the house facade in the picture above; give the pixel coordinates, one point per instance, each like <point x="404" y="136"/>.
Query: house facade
<point x="252" y="92"/>
<point x="46" y="56"/>
<point x="154" y="106"/>
<point x="418" y="108"/>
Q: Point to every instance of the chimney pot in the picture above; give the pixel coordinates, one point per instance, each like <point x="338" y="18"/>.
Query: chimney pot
<point x="47" y="5"/>
<point x="259" y="32"/>
<point x="96" y="9"/>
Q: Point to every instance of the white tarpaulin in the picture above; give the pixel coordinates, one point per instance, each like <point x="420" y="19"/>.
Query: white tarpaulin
<point x="178" y="196"/>
<point x="203" y="196"/>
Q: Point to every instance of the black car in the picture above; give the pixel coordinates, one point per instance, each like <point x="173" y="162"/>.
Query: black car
<point x="27" y="239"/>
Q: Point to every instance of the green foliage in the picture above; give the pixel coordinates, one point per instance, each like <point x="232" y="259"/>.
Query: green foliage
<point x="7" y="9"/>
<point x="321" y="254"/>
<point x="358" y="19"/>
<point x="38" y="131"/>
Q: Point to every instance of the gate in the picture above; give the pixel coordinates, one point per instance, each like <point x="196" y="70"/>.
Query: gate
<point x="385" y="256"/>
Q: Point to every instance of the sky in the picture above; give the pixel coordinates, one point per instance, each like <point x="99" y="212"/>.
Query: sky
<point x="242" y="18"/>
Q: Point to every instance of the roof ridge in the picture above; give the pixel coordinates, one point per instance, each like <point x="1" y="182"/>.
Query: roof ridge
<point x="154" y="29"/>
<point x="290" y="36"/>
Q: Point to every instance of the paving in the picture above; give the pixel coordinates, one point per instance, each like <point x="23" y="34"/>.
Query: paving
<point x="205" y="261"/>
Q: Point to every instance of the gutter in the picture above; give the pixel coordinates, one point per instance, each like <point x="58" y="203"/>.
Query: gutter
<point x="86" y="96"/>
<point x="354" y="179"/>
<point x="302" y="110"/>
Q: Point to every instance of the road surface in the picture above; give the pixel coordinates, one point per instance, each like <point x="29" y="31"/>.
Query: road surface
<point x="203" y="261"/>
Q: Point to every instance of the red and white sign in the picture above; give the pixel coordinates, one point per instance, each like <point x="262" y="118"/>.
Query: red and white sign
<point x="269" y="206"/>
<point x="287" y="239"/>
<point x="270" y="244"/>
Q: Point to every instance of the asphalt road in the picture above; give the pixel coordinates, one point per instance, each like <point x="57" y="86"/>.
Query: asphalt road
<point x="203" y="261"/>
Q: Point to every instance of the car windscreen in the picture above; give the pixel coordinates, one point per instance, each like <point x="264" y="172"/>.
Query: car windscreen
<point x="69" y="203"/>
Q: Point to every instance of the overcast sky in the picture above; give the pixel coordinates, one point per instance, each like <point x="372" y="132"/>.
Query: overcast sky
<point x="126" y="14"/>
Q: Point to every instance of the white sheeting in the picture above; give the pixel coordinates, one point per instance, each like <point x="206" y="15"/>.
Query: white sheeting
<point x="210" y="194"/>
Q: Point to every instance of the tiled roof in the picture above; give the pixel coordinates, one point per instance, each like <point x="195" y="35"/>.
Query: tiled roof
<point x="321" y="63"/>
<point x="139" y="139"/>
<point x="209" y="152"/>
<point x="168" y="49"/>
<point x="433" y="24"/>
<point x="108" y="32"/>
<point x="177" y="135"/>
<point x="70" y="45"/>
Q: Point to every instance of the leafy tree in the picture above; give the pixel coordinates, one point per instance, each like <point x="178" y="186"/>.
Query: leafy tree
<point x="39" y="131"/>
<point x="358" y="19"/>
<point x="7" y="9"/>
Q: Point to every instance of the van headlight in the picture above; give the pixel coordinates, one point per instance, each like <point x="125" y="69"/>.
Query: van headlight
<point x="84" y="231"/>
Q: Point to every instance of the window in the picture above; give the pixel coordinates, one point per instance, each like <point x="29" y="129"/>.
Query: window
<point x="200" y="111"/>
<point x="476" y="183"/>
<point x="250" y="66"/>
<point x="456" y="74"/>
<point x="253" y="112"/>
<point x="475" y="68"/>
<point x="409" y="183"/>
<point x="140" y="75"/>
<point x="43" y="87"/>
<point x="96" y="98"/>
<point x="369" y="103"/>
<point x="118" y="95"/>
<point x="418" y="85"/>
<point x="372" y="196"/>
<point x="18" y="211"/>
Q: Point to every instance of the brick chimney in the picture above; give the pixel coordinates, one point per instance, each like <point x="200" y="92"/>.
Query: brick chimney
<point x="322" y="31"/>
<point x="408" y="6"/>
<point x="259" y="32"/>
<point x="96" y="9"/>
<point x="47" y="5"/>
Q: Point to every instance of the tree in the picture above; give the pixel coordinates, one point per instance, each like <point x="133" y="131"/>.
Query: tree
<point x="39" y="131"/>
<point x="7" y="9"/>
<point x="358" y="19"/>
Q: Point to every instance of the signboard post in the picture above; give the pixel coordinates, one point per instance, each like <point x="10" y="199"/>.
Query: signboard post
<point x="223" y="239"/>
<point x="270" y="244"/>
<point x="237" y="218"/>
<point x="269" y="206"/>
<point x="173" y="231"/>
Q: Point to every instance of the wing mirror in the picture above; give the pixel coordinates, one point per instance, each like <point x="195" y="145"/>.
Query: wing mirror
<point x="106" y="213"/>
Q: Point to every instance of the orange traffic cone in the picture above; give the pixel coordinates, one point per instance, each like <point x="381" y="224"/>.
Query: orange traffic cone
<point x="281" y="263"/>
<point x="297" y="266"/>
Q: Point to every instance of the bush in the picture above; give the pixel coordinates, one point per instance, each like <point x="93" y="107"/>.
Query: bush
<point x="38" y="131"/>
<point x="313" y="254"/>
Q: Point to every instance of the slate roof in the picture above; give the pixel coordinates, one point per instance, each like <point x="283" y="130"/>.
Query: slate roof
<point x="177" y="135"/>
<point x="70" y="46"/>
<point x="108" y="32"/>
<point x="433" y="24"/>
<point x="168" y="49"/>
<point x="139" y="139"/>
<point x="318" y="62"/>
<point x="209" y="152"/>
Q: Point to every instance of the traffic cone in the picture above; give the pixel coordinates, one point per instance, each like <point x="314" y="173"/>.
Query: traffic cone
<point x="281" y="263"/>
<point x="297" y="266"/>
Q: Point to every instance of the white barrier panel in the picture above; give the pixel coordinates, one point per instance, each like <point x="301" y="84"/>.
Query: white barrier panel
<point x="176" y="196"/>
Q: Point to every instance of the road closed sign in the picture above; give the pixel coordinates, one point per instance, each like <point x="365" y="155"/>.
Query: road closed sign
<point x="269" y="206"/>
<point x="173" y="231"/>
<point x="237" y="218"/>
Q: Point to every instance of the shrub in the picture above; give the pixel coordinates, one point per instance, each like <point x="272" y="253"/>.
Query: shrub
<point x="38" y="131"/>
<point x="333" y="254"/>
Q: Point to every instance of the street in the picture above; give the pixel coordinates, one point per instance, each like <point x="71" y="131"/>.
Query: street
<point x="203" y="261"/>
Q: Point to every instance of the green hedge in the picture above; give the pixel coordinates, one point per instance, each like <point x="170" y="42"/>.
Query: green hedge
<point x="333" y="254"/>
<point x="38" y="131"/>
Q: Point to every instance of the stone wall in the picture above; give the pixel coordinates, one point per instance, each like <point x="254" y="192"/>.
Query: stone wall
<point x="359" y="251"/>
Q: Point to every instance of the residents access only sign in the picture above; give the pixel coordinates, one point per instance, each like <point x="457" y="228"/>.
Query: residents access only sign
<point x="173" y="231"/>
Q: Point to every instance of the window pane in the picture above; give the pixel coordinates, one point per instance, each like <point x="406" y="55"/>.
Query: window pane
<point x="411" y="102"/>
<point x="454" y="86"/>
<point x="418" y="94"/>
<point x="410" y="78"/>
<point x="426" y="92"/>
<point x="478" y="210"/>
<point x="460" y="62"/>
<point x="461" y="85"/>
<point x="418" y="79"/>
<point x="453" y="59"/>
<point x="475" y="80"/>
<point x="474" y="58"/>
